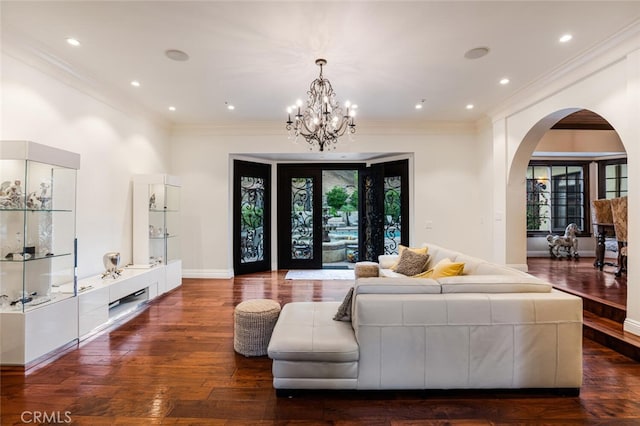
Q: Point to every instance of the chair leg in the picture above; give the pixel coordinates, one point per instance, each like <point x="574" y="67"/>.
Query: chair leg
<point x="622" y="265"/>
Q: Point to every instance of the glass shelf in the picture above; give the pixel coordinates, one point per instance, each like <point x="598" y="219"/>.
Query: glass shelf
<point x="39" y="257"/>
<point x="37" y="222"/>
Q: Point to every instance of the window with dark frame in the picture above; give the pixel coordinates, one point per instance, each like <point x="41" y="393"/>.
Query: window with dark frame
<point x="557" y="194"/>
<point x="612" y="178"/>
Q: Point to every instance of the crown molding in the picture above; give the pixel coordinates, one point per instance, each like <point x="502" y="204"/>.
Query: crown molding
<point x="604" y="54"/>
<point x="33" y="54"/>
<point x="364" y="127"/>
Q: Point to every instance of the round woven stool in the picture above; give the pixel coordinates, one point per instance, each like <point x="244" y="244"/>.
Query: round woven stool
<point x="366" y="269"/>
<point x="253" y="322"/>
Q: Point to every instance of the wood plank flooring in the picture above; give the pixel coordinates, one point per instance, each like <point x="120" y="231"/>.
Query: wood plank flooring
<point x="174" y="363"/>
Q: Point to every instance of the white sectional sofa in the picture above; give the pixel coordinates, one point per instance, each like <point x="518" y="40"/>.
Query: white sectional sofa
<point x="493" y="327"/>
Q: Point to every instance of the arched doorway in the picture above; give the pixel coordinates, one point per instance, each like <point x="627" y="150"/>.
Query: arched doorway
<point x="573" y="150"/>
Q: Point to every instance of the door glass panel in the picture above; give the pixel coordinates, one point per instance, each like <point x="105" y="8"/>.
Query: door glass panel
<point x="252" y="221"/>
<point x="392" y="216"/>
<point x="302" y="218"/>
<point x="339" y="218"/>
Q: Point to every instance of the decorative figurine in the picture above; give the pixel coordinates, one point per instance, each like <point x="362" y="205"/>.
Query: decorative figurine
<point x="111" y="262"/>
<point x="152" y="201"/>
<point x="568" y="243"/>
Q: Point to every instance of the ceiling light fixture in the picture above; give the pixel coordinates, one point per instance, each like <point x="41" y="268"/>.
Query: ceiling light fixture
<point x="176" y="55"/>
<point x="504" y="81"/>
<point x="419" y="105"/>
<point x="476" y="52"/>
<point x="565" y="38"/>
<point x="135" y="83"/>
<point x="73" y="41"/>
<point x="229" y="106"/>
<point x="172" y="108"/>
<point x="469" y="106"/>
<point x="323" y="121"/>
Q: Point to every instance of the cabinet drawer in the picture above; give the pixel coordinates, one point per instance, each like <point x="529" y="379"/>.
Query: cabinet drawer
<point x="92" y="319"/>
<point x="93" y="299"/>
<point x="125" y="286"/>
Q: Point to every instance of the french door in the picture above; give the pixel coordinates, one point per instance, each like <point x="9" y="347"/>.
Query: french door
<point x="251" y="217"/>
<point x="384" y="209"/>
<point x="307" y="237"/>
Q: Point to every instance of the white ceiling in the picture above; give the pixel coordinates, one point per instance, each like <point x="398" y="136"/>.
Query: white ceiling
<point x="385" y="56"/>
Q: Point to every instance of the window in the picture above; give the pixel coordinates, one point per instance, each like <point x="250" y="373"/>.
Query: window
<point x="612" y="180"/>
<point x="556" y="196"/>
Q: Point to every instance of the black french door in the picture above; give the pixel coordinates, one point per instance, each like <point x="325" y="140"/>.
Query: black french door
<point x="383" y="212"/>
<point x="384" y="209"/>
<point x="299" y="217"/>
<point x="251" y="217"/>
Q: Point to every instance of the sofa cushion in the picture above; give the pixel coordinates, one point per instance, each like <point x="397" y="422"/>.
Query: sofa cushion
<point x="437" y="253"/>
<point x="386" y="261"/>
<point x="306" y="331"/>
<point x="411" y="263"/>
<point x="494" y="284"/>
<point x="399" y="285"/>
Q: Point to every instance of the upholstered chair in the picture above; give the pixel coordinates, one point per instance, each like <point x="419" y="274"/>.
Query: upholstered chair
<point x="602" y="216"/>
<point x="619" y="213"/>
<point x="601" y="211"/>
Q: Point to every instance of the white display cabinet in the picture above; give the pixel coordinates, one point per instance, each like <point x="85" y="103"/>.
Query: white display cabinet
<point x="37" y="249"/>
<point x="156" y="222"/>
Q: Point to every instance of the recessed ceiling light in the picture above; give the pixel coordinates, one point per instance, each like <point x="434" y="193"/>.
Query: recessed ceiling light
<point x="419" y="104"/>
<point x="135" y="83"/>
<point x="469" y="106"/>
<point x="172" y="108"/>
<point x="229" y="106"/>
<point x="176" y="55"/>
<point x="565" y="38"/>
<point x="73" y="41"/>
<point x="504" y="81"/>
<point x="477" y="52"/>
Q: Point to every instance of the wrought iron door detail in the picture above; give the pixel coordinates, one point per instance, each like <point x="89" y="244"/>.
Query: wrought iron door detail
<point x="372" y="234"/>
<point x="252" y="191"/>
<point x="302" y="218"/>
<point x="392" y="212"/>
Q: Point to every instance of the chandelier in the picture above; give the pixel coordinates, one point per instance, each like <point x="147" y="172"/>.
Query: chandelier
<point x="323" y="120"/>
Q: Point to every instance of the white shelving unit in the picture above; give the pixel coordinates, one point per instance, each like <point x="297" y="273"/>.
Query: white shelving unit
<point x="102" y="301"/>
<point x="39" y="308"/>
<point x="156" y="221"/>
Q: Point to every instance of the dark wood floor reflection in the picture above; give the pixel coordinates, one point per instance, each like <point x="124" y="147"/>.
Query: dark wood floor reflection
<point x="580" y="277"/>
<point x="174" y="364"/>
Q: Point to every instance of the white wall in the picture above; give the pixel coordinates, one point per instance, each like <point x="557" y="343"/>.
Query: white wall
<point x="113" y="144"/>
<point x="608" y="85"/>
<point x="448" y="200"/>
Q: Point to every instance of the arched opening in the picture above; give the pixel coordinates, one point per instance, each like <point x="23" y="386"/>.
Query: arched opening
<point x="572" y="157"/>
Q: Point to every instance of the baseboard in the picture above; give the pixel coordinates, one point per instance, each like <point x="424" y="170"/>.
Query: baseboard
<point x="519" y="266"/>
<point x="632" y="326"/>
<point x="207" y="273"/>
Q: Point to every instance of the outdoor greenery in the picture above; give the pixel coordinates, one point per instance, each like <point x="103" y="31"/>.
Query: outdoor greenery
<point x="392" y="205"/>
<point x="252" y="216"/>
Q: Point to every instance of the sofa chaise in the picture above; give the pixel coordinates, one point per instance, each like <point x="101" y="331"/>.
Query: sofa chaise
<point x="489" y="327"/>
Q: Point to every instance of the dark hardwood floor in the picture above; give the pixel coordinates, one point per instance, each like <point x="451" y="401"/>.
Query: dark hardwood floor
<point x="174" y="363"/>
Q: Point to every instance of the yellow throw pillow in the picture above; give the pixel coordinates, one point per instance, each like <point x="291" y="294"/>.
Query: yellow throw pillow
<point x="444" y="268"/>
<point x="401" y="248"/>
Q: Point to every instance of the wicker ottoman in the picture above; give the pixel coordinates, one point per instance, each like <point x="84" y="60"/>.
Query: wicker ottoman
<point x="366" y="269"/>
<point x="253" y="322"/>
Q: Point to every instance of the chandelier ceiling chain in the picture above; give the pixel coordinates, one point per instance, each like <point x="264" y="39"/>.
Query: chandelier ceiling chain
<point x="323" y="120"/>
